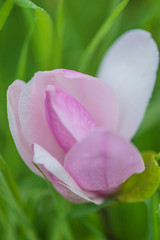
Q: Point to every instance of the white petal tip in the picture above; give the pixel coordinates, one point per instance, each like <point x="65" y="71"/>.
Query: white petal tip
<point x="130" y="68"/>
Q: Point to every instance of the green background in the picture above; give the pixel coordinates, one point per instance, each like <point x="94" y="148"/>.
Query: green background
<point x="31" y="40"/>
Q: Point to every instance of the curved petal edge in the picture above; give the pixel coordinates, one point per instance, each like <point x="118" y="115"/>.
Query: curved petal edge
<point x="130" y="68"/>
<point x="54" y="167"/>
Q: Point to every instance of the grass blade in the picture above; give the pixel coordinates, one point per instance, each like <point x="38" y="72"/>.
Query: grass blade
<point x="43" y="34"/>
<point x="59" y="29"/>
<point x="101" y="34"/>
<point x="10" y="181"/>
<point x="10" y="194"/>
<point x="43" y="38"/>
<point x="27" y="4"/>
<point x="21" y="69"/>
<point x="5" y="11"/>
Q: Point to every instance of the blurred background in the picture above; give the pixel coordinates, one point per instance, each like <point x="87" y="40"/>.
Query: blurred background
<point x="61" y="34"/>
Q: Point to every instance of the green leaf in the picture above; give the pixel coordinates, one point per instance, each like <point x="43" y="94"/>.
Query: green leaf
<point x="26" y="4"/>
<point x="4" y="12"/>
<point x="140" y="187"/>
<point x="21" y="69"/>
<point x="43" y="34"/>
<point x="10" y="194"/>
<point x="87" y="208"/>
<point x="43" y="38"/>
<point x="59" y="35"/>
<point x="11" y="183"/>
<point x="157" y="157"/>
<point x="101" y="34"/>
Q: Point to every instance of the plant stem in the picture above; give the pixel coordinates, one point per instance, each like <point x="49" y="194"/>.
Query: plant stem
<point x="154" y="217"/>
<point x="153" y="233"/>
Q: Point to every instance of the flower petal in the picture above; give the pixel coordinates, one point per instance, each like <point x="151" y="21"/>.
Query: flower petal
<point x="24" y="150"/>
<point x="92" y="93"/>
<point x="129" y="68"/>
<point x="33" y="122"/>
<point x="41" y="156"/>
<point x="102" y="162"/>
<point x="67" y="118"/>
<point x="67" y="193"/>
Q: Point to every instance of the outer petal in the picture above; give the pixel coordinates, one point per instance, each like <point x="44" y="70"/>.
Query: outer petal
<point x="12" y="108"/>
<point x="102" y="162"/>
<point x="54" y="167"/>
<point x="31" y="113"/>
<point x="93" y="94"/>
<point x="67" y="118"/>
<point x="129" y="68"/>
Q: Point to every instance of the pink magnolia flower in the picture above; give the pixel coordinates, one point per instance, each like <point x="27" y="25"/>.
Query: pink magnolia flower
<point x="77" y="128"/>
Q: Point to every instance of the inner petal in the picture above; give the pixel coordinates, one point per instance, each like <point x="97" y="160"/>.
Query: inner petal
<point x="102" y="162"/>
<point x="65" y="181"/>
<point x="69" y="121"/>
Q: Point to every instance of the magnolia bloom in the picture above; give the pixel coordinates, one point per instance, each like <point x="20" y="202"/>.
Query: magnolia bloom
<point x="78" y="128"/>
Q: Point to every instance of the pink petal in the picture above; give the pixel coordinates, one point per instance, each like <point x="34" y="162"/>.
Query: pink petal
<point x="67" y="118"/>
<point x="41" y="156"/>
<point x="32" y="117"/>
<point x="102" y="162"/>
<point x="130" y="68"/>
<point x="67" y="193"/>
<point x="24" y="150"/>
<point x="92" y="93"/>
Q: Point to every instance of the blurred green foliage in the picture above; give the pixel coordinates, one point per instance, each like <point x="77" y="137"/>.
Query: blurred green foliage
<point x="34" y="39"/>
